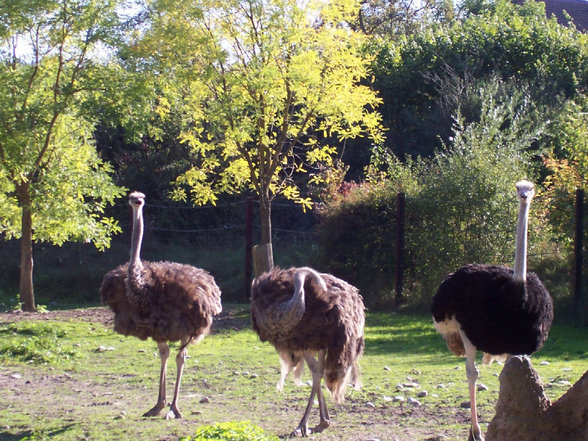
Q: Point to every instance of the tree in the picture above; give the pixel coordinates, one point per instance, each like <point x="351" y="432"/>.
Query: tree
<point x="515" y="42"/>
<point x="53" y="185"/>
<point x="272" y="83"/>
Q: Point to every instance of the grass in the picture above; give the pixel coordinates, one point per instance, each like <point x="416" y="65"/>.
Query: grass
<point x="80" y="380"/>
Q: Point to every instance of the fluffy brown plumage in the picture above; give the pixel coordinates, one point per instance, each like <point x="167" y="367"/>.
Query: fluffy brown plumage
<point x="186" y="301"/>
<point x="165" y="301"/>
<point x="318" y="315"/>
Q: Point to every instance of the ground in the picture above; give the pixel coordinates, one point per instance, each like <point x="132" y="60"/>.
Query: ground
<point x="79" y="398"/>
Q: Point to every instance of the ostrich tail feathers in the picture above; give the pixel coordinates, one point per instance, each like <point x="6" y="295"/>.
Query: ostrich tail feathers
<point x="455" y="344"/>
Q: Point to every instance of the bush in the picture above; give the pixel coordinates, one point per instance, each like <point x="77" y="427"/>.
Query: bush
<point x="230" y="431"/>
<point x="356" y="239"/>
<point x="460" y="204"/>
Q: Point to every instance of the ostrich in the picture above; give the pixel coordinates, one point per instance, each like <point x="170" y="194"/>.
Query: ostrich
<point x="304" y="315"/>
<point x="494" y="309"/>
<point x="166" y="301"/>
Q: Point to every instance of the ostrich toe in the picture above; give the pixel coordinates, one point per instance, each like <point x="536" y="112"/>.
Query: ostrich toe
<point x="475" y="435"/>
<point x="173" y="413"/>
<point x="155" y="410"/>
<point x="302" y="431"/>
<point x="324" y="424"/>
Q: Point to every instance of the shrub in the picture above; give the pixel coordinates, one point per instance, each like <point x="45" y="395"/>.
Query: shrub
<point x="230" y="431"/>
<point x="460" y="204"/>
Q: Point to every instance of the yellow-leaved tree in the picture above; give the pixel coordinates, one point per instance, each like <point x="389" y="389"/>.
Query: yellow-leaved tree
<point x="270" y="89"/>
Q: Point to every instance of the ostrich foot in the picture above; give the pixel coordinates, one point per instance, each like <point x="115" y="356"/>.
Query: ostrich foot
<point x="324" y="424"/>
<point x="173" y="413"/>
<point x="475" y="435"/>
<point x="155" y="410"/>
<point x="302" y="431"/>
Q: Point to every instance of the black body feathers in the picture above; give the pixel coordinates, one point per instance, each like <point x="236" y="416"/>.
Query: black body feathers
<point x="498" y="314"/>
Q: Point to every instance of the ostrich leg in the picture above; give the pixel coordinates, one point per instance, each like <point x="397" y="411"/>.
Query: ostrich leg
<point x="325" y="421"/>
<point x="317" y="369"/>
<point x="472" y="374"/>
<point x="163" y="355"/>
<point x="174" y="412"/>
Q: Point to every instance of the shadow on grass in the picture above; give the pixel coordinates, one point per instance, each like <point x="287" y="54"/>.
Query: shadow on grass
<point x="33" y="435"/>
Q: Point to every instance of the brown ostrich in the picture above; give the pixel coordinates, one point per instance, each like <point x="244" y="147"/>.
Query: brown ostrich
<point x="166" y="301"/>
<point x="314" y="317"/>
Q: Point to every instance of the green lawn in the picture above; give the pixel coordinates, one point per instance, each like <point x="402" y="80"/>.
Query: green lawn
<point x="74" y="380"/>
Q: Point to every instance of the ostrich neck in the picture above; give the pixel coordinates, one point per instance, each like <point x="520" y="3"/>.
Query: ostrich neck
<point x="136" y="239"/>
<point x="283" y="317"/>
<point x="520" y="266"/>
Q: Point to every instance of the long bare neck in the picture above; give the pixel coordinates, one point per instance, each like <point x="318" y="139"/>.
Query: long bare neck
<point x="136" y="239"/>
<point x="520" y="266"/>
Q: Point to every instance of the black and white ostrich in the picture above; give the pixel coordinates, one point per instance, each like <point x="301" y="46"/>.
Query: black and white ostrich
<point x="166" y="301"/>
<point x="315" y="317"/>
<point x="494" y="309"/>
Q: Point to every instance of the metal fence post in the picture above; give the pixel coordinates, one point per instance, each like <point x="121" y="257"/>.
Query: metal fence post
<point x="400" y="219"/>
<point x="578" y="247"/>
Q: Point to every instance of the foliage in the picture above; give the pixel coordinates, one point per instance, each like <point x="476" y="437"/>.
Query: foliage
<point x="460" y="204"/>
<point x="230" y="431"/>
<point x="511" y="41"/>
<point x="266" y="84"/>
<point x="400" y="17"/>
<point x="34" y="343"/>
<point x="53" y="185"/>
<point x="356" y="239"/>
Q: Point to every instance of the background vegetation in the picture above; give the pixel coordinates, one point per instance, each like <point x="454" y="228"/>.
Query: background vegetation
<point x="472" y="98"/>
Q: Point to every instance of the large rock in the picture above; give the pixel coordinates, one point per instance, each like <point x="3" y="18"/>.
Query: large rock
<point x="523" y="412"/>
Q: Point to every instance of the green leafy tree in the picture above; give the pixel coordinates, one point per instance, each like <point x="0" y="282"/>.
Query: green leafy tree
<point x="53" y="185"/>
<point x="271" y="82"/>
<point x="515" y="42"/>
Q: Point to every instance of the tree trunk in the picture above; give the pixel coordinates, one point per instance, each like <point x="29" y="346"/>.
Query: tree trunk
<point x="265" y="217"/>
<point x="27" y="296"/>
<point x="263" y="258"/>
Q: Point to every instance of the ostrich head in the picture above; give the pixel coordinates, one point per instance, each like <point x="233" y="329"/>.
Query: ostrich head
<point x="136" y="199"/>
<point x="525" y="191"/>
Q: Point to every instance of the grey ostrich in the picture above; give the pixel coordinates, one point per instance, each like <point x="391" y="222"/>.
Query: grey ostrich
<point x="166" y="301"/>
<point x="311" y="317"/>
<point x="495" y="309"/>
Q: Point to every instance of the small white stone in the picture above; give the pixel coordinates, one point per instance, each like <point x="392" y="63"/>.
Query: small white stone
<point x="16" y="376"/>
<point x="544" y="363"/>
<point x="482" y="387"/>
<point x="204" y="400"/>
<point x="370" y="405"/>
<point x="441" y="386"/>
<point x="399" y="399"/>
<point x="413" y="401"/>
<point x="386" y="398"/>
<point x="386" y="368"/>
<point x="411" y="385"/>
